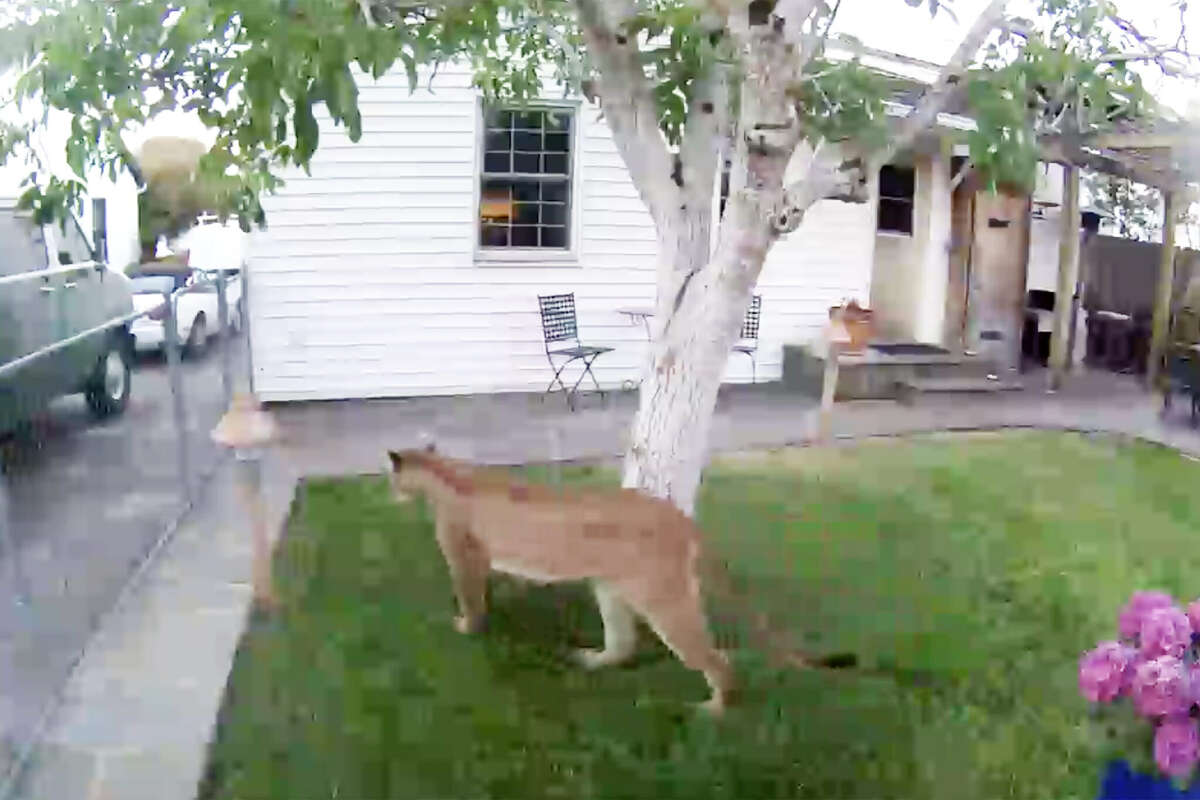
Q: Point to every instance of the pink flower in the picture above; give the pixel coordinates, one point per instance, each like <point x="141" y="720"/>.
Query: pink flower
<point x="1161" y="686"/>
<point x="1193" y="612"/>
<point x="1103" y="671"/>
<point x="1193" y="672"/>
<point x="1130" y="621"/>
<point x="1165" y="631"/>
<point x="1177" y="746"/>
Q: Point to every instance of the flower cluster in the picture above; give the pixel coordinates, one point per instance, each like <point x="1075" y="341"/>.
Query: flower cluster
<point x="1156" y="664"/>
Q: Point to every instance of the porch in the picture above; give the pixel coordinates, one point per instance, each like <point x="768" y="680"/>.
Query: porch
<point x="989" y="281"/>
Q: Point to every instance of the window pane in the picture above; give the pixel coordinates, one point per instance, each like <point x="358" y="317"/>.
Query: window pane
<point x="494" y="203"/>
<point x="555" y="163"/>
<point x="557" y="142"/>
<point x="895" y="216"/>
<point x="554" y="214"/>
<point x="554" y="191"/>
<point x="527" y="119"/>
<point x="496" y="162"/>
<point x="499" y="118"/>
<point x="526" y="214"/>
<point x="558" y="121"/>
<point x="896" y="181"/>
<point x="525" y="191"/>
<point x="525" y="236"/>
<point x="497" y="187"/>
<point x="493" y="235"/>
<point x="530" y="142"/>
<point x="527" y="162"/>
<point x="554" y="236"/>
<point x="498" y="140"/>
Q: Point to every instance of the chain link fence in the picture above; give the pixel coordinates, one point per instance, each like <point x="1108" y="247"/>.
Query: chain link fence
<point x="104" y="447"/>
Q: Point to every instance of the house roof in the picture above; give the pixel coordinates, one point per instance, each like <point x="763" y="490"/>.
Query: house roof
<point x="1163" y="152"/>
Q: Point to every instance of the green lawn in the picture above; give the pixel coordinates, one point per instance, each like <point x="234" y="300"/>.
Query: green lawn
<point x="968" y="573"/>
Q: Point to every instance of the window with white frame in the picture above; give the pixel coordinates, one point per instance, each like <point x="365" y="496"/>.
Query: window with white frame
<point x="525" y="179"/>
<point x="897" y="186"/>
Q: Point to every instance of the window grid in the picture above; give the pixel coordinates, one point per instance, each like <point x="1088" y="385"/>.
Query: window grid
<point x="897" y="187"/>
<point x="525" y="193"/>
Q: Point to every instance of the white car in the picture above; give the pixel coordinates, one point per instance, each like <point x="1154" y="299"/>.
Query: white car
<point x="205" y="248"/>
<point x="196" y="310"/>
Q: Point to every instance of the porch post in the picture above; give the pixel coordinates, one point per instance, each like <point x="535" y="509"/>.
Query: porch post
<point x="1068" y="268"/>
<point x="1162" y="297"/>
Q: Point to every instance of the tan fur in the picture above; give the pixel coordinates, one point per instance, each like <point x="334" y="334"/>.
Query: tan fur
<point x="641" y="554"/>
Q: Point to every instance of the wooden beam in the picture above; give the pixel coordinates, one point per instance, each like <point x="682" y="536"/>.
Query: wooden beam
<point x="1138" y="141"/>
<point x="1160" y="329"/>
<point x="1059" y="151"/>
<point x="1068" y="270"/>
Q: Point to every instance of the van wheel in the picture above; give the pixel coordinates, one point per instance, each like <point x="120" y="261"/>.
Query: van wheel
<point x="107" y="389"/>
<point x="197" y="341"/>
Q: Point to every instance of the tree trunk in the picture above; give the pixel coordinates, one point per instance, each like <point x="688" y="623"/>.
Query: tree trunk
<point x="668" y="441"/>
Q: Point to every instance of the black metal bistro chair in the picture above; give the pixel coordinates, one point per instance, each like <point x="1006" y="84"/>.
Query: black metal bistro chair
<point x="1183" y="375"/>
<point x="559" y="325"/>
<point x="748" y="340"/>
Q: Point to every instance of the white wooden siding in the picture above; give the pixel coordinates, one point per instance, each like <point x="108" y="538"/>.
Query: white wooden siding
<point x="365" y="283"/>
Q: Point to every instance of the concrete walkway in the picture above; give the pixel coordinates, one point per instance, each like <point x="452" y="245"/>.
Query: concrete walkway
<point x="338" y="438"/>
<point x="139" y="710"/>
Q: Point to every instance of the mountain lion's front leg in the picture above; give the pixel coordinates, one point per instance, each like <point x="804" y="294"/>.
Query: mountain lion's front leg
<point x="468" y="563"/>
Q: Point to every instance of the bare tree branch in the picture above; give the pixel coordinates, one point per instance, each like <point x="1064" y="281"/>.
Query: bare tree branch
<point x="792" y="14"/>
<point x="707" y="121"/>
<point x="848" y="179"/>
<point x="1150" y="49"/>
<point x="949" y="82"/>
<point x="628" y="104"/>
<point x="1161" y="58"/>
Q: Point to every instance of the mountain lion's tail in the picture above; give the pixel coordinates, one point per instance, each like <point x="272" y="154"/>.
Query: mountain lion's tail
<point x="764" y="634"/>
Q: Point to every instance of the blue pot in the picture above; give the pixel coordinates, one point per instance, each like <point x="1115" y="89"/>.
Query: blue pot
<point x="1122" y="783"/>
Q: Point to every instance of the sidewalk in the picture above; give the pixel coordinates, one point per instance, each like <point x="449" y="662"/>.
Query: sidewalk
<point x="137" y="713"/>
<point x="139" y="710"/>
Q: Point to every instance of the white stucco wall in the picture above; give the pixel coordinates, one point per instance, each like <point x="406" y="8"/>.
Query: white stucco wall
<point x="910" y="273"/>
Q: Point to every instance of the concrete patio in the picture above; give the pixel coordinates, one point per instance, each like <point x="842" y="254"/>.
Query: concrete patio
<point x="136" y="716"/>
<point x="346" y="437"/>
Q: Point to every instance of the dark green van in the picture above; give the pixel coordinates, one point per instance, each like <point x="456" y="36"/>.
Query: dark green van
<point x="67" y="294"/>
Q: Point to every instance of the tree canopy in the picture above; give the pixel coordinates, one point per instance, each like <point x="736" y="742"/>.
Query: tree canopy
<point x="254" y="70"/>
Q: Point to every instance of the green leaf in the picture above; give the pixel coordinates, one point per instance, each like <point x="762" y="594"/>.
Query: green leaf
<point x="307" y="132"/>
<point x="410" y="69"/>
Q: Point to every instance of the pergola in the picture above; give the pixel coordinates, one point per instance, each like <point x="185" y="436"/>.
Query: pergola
<point x="1164" y="155"/>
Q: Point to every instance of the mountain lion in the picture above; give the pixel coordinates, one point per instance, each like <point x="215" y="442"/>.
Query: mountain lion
<point x="640" y="553"/>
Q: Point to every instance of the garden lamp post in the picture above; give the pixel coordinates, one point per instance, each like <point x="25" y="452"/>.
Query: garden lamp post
<point x="247" y="430"/>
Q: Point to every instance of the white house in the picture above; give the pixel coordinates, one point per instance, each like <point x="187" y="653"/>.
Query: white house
<point x="108" y="218"/>
<point x="410" y="263"/>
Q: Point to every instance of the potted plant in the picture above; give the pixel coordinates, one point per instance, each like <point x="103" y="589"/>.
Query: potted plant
<point x="857" y="321"/>
<point x="1145" y="685"/>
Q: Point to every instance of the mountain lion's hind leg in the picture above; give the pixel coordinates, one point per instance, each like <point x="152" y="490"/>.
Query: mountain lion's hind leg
<point x="681" y="625"/>
<point x="620" y="630"/>
<point x="468" y="564"/>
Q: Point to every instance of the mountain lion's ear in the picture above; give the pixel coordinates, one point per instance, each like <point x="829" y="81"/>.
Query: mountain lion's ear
<point x="396" y="458"/>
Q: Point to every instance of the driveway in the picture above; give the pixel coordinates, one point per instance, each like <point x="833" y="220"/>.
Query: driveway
<point x="86" y="501"/>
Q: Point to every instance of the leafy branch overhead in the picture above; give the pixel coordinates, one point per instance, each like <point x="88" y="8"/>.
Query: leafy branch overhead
<point x="255" y="71"/>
